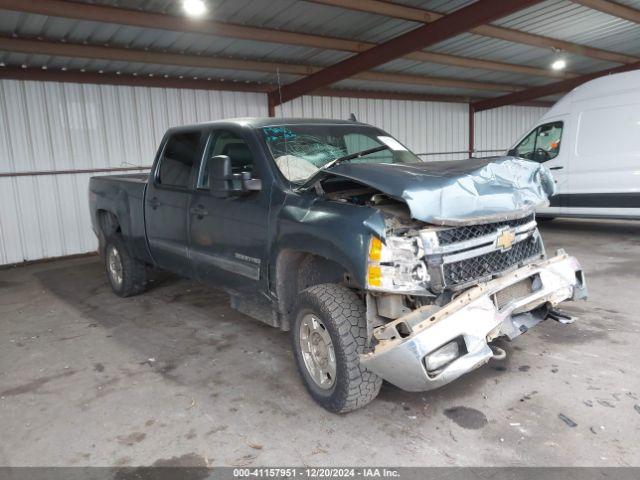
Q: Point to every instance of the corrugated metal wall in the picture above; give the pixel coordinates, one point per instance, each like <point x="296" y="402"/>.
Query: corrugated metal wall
<point x="55" y="126"/>
<point x="424" y="127"/>
<point x="498" y="129"/>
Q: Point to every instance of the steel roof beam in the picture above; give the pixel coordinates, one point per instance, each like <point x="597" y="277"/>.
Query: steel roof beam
<point x="612" y="8"/>
<point x="36" y="74"/>
<point x="502" y="33"/>
<point x="101" y="13"/>
<point x="66" y="49"/>
<point x="478" y="13"/>
<point x="545" y="90"/>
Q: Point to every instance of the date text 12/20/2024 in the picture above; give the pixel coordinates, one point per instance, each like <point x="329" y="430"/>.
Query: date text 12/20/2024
<point x="367" y="472"/>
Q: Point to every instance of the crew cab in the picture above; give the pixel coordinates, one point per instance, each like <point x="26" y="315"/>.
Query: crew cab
<point x="381" y="265"/>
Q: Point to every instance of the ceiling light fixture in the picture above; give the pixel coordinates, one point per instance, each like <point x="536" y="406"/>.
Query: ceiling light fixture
<point x="559" y="64"/>
<point x="194" y="8"/>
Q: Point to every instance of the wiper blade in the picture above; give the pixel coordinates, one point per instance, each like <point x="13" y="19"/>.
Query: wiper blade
<point x="353" y="156"/>
<point x="311" y="180"/>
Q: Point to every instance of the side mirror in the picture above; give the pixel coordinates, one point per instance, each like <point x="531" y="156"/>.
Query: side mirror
<point x="512" y="153"/>
<point x="220" y="178"/>
<point x="250" y="184"/>
<point x="223" y="183"/>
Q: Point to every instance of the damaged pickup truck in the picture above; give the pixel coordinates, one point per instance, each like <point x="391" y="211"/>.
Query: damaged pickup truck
<point x="381" y="265"/>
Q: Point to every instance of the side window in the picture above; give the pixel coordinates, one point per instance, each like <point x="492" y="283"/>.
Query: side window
<point x="548" y="141"/>
<point x="224" y="142"/>
<point x="526" y="146"/>
<point x="542" y="144"/>
<point x="179" y="158"/>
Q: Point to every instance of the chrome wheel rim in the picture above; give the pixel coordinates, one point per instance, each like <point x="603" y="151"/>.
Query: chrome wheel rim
<point x="317" y="351"/>
<point x="114" y="266"/>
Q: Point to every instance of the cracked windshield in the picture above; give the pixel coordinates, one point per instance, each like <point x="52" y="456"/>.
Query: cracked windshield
<point x="301" y="150"/>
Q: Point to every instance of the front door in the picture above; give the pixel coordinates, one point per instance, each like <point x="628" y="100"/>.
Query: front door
<point x="229" y="235"/>
<point x="167" y="200"/>
<point x="543" y="145"/>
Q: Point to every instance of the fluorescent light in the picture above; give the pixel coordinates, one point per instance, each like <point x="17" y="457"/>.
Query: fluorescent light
<point x="559" y="64"/>
<point x="194" y="8"/>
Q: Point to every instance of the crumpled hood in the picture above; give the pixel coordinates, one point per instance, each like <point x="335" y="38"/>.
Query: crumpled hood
<point x="458" y="192"/>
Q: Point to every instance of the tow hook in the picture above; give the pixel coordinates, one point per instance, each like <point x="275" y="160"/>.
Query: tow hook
<point x="560" y="316"/>
<point x="498" y="353"/>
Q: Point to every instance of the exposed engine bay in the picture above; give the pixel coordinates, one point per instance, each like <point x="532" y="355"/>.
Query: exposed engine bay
<point x="439" y="295"/>
<point x="436" y="261"/>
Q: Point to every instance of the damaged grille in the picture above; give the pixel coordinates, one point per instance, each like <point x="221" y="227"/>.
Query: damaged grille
<point x="461" y="234"/>
<point x="472" y="269"/>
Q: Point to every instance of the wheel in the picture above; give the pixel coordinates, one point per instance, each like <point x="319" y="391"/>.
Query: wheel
<point x="328" y="334"/>
<point x="127" y="275"/>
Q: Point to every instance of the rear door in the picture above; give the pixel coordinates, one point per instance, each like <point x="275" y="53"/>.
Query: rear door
<point x="229" y="235"/>
<point x="168" y="197"/>
<point x="544" y="145"/>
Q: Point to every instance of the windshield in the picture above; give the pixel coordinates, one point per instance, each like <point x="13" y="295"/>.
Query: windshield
<point x="301" y="150"/>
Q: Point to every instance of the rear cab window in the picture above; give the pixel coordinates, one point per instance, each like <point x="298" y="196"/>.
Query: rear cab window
<point x="542" y="144"/>
<point x="179" y="159"/>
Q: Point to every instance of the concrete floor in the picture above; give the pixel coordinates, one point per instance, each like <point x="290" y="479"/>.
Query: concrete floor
<point x="175" y="376"/>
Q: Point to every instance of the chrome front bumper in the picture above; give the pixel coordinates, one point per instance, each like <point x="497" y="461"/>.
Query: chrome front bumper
<point x="477" y="316"/>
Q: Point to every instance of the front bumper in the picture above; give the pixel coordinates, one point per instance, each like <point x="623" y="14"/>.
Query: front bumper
<point x="505" y="306"/>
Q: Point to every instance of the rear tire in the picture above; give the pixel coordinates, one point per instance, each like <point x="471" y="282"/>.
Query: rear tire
<point x="127" y="275"/>
<point x="334" y="314"/>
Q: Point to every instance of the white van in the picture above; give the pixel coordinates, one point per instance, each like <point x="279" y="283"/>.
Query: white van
<point x="590" y="140"/>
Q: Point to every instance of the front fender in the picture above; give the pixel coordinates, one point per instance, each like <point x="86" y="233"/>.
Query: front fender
<point x="332" y="230"/>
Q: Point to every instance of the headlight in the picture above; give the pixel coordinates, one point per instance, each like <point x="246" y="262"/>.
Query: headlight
<point x="396" y="265"/>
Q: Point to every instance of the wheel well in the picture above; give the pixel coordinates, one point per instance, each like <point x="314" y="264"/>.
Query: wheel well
<point x="296" y="271"/>
<point x="108" y="223"/>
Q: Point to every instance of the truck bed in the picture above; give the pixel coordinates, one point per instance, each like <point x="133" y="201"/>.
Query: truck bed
<point x="123" y="196"/>
<point x="127" y="177"/>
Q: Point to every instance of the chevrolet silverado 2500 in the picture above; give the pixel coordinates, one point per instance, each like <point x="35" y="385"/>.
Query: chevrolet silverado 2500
<point x="381" y="265"/>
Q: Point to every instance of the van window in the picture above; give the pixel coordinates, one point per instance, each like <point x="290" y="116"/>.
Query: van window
<point x="179" y="158"/>
<point x="605" y="130"/>
<point x="542" y="144"/>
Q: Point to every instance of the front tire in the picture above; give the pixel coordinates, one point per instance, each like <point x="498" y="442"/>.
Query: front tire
<point x="127" y="275"/>
<point x="328" y="334"/>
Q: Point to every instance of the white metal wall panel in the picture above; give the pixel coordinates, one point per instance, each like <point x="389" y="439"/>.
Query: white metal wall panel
<point x="62" y="126"/>
<point x="56" y="126"/>
<point x="424" y="127"/>
<point x="499" y="128"/>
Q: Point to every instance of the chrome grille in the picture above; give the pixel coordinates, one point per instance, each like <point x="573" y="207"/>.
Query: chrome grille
<point x="481" y="266"/>
<point x="461" y="234"/>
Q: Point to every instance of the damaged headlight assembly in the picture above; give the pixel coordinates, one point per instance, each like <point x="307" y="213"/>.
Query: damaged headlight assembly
<point x="396" y="265"/>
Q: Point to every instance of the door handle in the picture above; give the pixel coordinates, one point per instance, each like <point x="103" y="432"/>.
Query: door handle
<point x="556" y="168"/>
<point x="154" y="202"/>
<point x="199" y="211"/>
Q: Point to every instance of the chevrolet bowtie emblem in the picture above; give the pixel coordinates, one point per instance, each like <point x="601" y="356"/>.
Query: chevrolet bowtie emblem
<point x="505" y="239"/>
